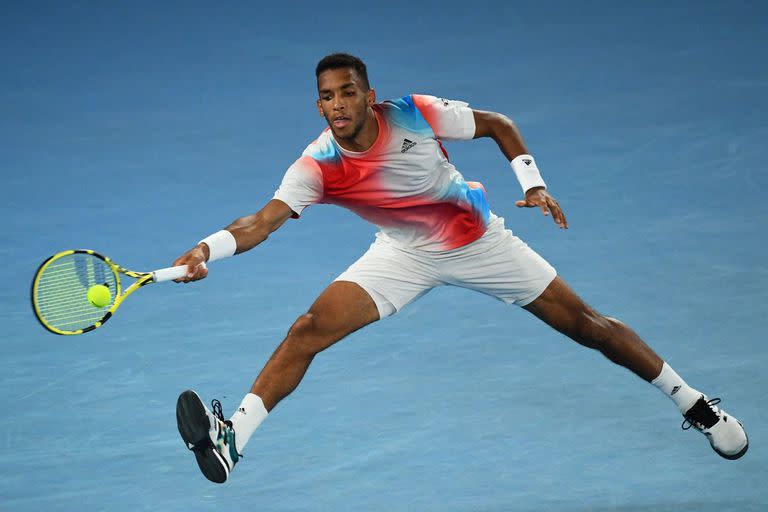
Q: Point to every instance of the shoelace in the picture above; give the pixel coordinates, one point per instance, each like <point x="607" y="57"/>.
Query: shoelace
<point x="702" y="415"/>
<point x="216" y="409"/>
<point x="219" y="413"/>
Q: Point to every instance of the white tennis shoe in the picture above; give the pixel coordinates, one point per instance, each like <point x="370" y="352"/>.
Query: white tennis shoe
<point x="725" y="433"/>
<point x="207" y="435"/>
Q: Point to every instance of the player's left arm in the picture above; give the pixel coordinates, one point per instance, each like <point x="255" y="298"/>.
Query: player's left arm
<point x="506" y="134"/>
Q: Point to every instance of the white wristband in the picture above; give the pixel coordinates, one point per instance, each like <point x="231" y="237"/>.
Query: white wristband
<point x="221" y="244"/>
<point x="527" y="173"/>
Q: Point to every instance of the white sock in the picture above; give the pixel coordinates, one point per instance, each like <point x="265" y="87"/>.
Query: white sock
<point x="246" y="419"/>
<point x="672" y="385"/>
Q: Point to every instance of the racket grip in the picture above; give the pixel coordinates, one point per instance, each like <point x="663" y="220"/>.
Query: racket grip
<point x="170" y="273"/>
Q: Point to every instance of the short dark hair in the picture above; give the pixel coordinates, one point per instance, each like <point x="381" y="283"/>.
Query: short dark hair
<point x="343" y="60"/>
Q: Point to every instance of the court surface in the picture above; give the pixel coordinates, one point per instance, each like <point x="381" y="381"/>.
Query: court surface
<point x="136" y="130"/>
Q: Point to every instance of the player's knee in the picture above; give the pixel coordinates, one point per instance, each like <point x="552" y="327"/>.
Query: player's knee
<point x="615" y="323"/>
<point x="594" y="330"/>
<point x="303" y="327"/>
<point x="303" y="335"/>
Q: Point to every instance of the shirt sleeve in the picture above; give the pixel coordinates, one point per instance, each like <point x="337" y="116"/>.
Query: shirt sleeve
<point x="449" y="119"/>
<point x="302" y="185"/>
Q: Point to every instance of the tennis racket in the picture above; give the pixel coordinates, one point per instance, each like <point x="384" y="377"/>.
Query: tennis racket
<point x="61" y="284"/>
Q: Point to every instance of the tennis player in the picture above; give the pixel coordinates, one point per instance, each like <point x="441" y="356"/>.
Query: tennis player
<point x="386" y="162"/>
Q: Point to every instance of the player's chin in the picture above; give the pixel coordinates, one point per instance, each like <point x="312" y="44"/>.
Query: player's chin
<point x="342" y="133"/>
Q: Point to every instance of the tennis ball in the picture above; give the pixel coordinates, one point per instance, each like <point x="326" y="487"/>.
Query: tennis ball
<point x="99" y="295"/>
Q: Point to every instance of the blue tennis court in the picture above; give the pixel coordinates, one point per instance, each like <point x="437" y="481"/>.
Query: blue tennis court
<point x="137" y="129"/>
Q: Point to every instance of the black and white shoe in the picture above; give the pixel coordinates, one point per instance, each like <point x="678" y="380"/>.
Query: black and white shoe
<point x="725" y="433"/>
<point x="207" y="435"/>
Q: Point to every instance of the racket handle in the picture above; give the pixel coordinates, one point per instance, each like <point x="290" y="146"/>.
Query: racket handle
<point x="170" y="273"/>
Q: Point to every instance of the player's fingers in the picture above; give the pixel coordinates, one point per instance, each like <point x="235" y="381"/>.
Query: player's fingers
<point x="522" y="204"/>
<point x="561" y="216"/>
<point x="563" y="222"/>
<point x="177" y="263"/>
<point x="201" y="272"/>
<point x="557" y="213"/>
<point x="193" y="269"/>
<point x="544" y="208"/>
<point x="184" y="259"/>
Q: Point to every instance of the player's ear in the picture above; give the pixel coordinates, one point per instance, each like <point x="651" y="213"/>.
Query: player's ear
<point x="371" y="97"/>
<point x="319" y="107"/>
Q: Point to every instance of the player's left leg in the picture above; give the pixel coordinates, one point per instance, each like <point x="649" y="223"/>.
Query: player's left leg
<point x="503" y="266"/>
<point x="563" y="310"/>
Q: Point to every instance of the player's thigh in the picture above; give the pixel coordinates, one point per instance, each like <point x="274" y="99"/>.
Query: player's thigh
<point x="342" y="308"/>
<point x="392" y="276"/>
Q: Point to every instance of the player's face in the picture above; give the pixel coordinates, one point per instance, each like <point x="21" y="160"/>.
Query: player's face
<point x="344" y="101"/>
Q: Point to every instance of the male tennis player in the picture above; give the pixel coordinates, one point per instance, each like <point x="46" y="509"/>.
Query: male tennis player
<point x="385" y="162"/>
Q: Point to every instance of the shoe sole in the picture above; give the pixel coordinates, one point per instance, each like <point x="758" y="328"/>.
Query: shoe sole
<point x="193" y="423"/>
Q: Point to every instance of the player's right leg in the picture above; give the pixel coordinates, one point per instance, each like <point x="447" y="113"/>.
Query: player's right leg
<point x="381" y="282"/>
<point x="341" y="309"/>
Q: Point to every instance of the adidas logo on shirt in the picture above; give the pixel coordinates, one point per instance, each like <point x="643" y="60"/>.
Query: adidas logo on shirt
<point x="407" y="144"/>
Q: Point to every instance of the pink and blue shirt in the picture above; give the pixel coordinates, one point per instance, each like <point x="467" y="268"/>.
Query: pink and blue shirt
<point x="404" y="183"/>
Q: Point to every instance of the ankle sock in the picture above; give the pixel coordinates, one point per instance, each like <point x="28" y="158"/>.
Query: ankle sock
<point x="247" y="419"/>
<point x="672" y="385"/>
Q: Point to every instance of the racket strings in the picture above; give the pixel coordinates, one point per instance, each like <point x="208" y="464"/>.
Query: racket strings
<point x="62" y="288"/>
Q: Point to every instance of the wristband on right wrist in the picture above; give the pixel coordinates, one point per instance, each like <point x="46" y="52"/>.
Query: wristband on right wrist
<point x="527" y="173"/>
<point x="221" y="244"/>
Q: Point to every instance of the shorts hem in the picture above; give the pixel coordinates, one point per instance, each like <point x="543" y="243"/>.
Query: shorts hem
<point x="383" y="305"/>
<point x="524" y="302"/>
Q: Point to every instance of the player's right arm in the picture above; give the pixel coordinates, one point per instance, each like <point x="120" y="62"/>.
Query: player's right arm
<point x="302" y="186"/>
<point x="248" y="232"/>
<point x="251" y="230"/>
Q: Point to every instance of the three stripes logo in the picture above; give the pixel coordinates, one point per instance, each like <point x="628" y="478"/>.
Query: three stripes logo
<point x="675" y="390"/>
<point x="527" y="161"/>
<point x="407" y="144"/>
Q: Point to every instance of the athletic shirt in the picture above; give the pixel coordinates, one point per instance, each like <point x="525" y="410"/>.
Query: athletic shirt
<point x="404" y="183"/>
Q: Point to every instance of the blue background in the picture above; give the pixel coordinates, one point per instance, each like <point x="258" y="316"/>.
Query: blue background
<point x="135" y="129"/>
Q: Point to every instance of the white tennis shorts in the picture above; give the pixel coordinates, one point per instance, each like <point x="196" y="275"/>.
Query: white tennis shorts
<point x="498" y="264"/>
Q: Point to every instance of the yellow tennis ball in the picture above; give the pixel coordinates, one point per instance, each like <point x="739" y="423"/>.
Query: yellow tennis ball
<point x="99" y="295"/>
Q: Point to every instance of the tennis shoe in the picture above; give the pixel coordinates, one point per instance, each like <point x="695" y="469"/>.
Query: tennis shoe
<point x="725" y="433"/>
<point x="207" y="435"/>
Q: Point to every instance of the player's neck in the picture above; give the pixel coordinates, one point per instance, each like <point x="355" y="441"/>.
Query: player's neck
<point x="365" y="138"/>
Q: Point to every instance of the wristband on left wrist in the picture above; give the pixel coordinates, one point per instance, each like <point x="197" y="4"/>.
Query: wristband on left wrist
<point x="527" y="172"/>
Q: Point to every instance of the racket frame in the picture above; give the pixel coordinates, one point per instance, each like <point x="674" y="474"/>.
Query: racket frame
<point x="142" y="279"/>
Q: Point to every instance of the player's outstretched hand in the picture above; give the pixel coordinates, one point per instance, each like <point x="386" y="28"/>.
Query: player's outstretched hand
<point x="539" y="197"/>
<point x="194" y="259"/>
